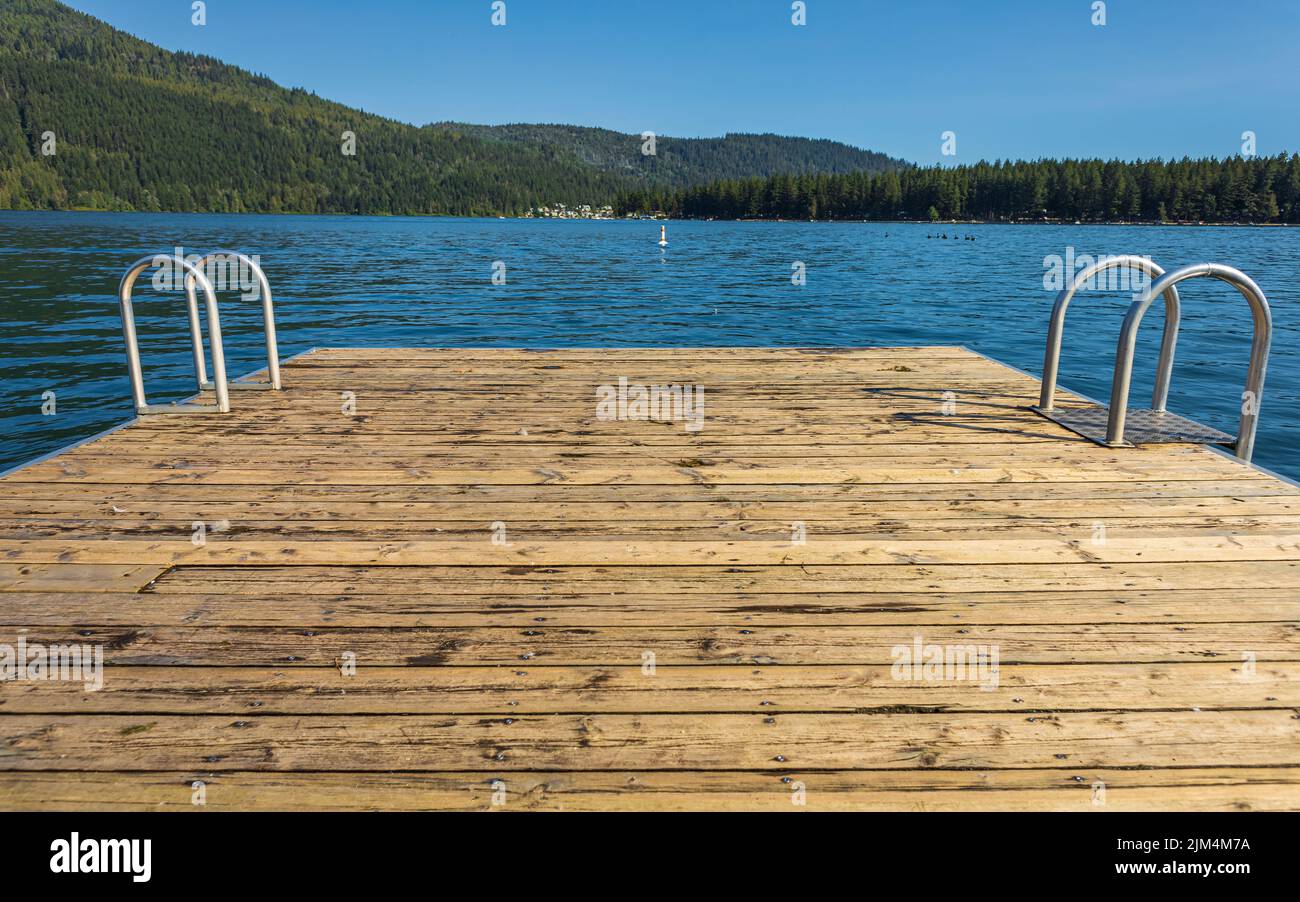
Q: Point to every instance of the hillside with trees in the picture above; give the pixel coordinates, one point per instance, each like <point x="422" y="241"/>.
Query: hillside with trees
<point x="682" y="162"/>
<point x="94" y="118"/>
<point x="1257" y="190"/>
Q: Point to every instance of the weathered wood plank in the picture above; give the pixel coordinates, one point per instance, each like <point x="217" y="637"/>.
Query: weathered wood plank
<point x="1282" y="546"/>
<point x="109" y="494"/>
<point x="643" y="472"/>
<point x="644" y="511"/>
<point x="189" y="604"/>
<point x="545" y="645"/>
<point x="704" y="531"/>
<point x="507" y="581"/>
<point x="63" y="578"/>
<point x="747" y="742"/>
<point x="866" y="689"/>
<point x="1183" y="789"/>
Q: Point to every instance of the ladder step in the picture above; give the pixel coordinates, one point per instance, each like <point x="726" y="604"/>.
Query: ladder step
<point x="240" y="386"/>
<point x="178" y="408"/>
<point x="1144" y="426"/>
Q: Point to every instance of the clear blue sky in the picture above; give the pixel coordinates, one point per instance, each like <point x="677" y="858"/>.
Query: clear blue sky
<point x="1012" y="78"/>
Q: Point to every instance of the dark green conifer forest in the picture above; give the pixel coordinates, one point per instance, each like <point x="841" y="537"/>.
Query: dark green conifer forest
<point x="1260" y="190"/>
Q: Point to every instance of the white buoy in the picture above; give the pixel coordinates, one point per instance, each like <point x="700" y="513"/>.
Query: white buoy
<point x="663" y="236"/>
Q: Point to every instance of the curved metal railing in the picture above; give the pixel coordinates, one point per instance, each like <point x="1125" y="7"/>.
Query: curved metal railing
<point x="1262" y="339"/>
<point x="124" y="292"/>
<point x="1052" y="359"/>
<point x="268" y="321"/>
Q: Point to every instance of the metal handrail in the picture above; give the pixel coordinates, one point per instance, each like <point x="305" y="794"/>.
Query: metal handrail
<point x="1173" y="318"/>
<point x="124" y="291"/>
<point x="268" y="322"/>
<point x="1262" y="338"/>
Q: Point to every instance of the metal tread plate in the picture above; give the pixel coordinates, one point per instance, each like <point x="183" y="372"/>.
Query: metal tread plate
<point x="1142" y="426"/>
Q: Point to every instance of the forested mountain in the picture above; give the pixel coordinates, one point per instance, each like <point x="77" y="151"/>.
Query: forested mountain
<point x="1259" y="190"/>
<point x="91" y="117"/>
<point x="682" y="162"/>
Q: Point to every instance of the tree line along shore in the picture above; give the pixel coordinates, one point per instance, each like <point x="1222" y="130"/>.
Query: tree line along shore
<point x="1260" y="190"/>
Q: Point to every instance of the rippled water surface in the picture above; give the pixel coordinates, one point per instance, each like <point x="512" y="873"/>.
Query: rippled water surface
<point x="427" y="282"/>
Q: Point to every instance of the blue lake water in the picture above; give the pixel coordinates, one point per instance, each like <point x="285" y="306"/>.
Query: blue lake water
<point x="427" y="282"/>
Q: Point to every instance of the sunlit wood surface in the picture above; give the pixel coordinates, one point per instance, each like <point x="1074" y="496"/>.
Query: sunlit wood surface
<point x="437" y="579"/>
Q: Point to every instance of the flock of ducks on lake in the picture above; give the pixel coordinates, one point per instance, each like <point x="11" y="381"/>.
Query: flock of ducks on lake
<point x="663" y="236"/>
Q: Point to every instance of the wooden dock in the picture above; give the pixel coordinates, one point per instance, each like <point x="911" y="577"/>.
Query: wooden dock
<point x="437" y="579"/>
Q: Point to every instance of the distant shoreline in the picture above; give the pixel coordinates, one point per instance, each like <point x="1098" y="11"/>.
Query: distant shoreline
<point x="949" y="222"/>
<point x="496" y="216"/>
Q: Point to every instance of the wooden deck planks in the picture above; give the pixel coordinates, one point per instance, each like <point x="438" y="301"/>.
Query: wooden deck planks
<point x="667" y="619"/>
<point x="1056" y="789"/>
<point x="591" y="689"/>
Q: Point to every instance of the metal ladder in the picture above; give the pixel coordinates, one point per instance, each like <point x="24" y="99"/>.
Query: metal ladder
<point x="268" y="323"/>
<point x="1117" y="426"/>
<point x="195" y="279"/>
